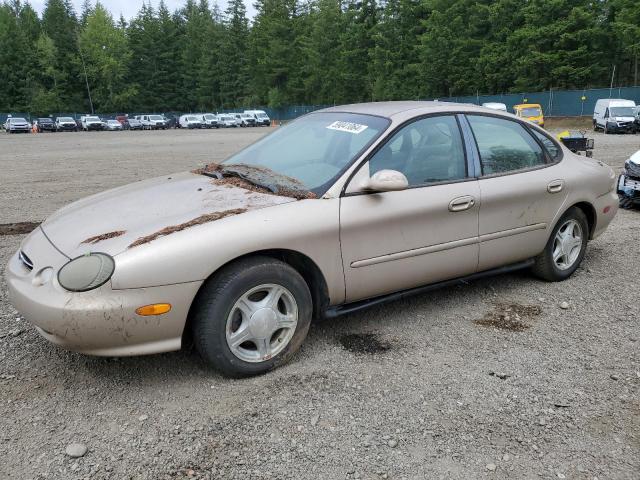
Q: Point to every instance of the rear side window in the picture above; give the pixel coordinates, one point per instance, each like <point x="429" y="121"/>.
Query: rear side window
<point x="552" y="149"/>
<point x="504" y="146"/>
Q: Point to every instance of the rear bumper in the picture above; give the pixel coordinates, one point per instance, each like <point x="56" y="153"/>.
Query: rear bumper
<point x="101" y="322"/>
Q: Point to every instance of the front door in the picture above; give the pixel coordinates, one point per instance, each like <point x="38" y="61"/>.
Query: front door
<point x="427" y="233"/>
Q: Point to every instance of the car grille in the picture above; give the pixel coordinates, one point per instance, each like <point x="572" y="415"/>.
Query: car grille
<point x="26" y="261"/>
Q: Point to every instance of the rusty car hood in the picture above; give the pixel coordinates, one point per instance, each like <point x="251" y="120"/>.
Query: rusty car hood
<point x="123" y="217"/>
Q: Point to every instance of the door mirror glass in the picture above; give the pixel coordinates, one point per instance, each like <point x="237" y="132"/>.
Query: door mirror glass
<point x="385" y="181"/>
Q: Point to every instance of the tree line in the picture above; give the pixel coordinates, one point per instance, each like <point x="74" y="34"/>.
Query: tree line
<point x="308" y="52"/>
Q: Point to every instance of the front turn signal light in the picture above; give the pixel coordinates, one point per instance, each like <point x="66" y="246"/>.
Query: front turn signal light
<point x="155" y="309"/>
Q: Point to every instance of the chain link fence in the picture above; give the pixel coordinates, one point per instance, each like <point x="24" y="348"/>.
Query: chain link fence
<point x="555" y="103"/>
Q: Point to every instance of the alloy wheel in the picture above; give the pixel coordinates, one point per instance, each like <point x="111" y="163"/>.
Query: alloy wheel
<point x="567" y="245"/>
<point x="261" y="323"/>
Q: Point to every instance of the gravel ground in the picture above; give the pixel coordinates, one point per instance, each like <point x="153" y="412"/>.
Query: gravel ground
<point x="494" y="379"/>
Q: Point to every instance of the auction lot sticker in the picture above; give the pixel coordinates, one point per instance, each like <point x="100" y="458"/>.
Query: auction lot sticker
<point x="347" y="127"/>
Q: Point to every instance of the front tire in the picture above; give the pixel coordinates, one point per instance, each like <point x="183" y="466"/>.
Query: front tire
<point x="251" y="317"/>
<point x="565" y="249"/>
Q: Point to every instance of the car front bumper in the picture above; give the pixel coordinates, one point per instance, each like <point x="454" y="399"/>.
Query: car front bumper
<point x="100" y="322"/>
<point x="621" y="128"/>
<point x="629" y="187"/>
<point x="19" y="129"/>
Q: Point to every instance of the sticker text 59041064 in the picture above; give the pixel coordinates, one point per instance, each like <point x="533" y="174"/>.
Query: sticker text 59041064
<point x="347" y="127"/>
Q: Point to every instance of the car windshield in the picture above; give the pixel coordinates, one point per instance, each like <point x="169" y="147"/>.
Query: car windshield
<point x="18" y="120"/>
<point x="209" y="117"/>
<point x="262" y="115"/>
<point x="155" y="117"/>
<point x="192" y="119"/>
<point x="92" y="119"/>
<point x="531" y="112"/>
<point x="114" y="122"/>
<point x="44" y="120"/>
<point x="621" y="111"/>
<point x="313" y="150"/>
<point x="66" y="119"/>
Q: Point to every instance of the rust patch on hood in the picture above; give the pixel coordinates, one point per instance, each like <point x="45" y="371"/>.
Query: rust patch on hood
<point x="104" y="236"/>
<point x="209" y="217"/>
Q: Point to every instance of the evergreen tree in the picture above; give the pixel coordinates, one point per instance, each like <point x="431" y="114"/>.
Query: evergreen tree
<point x="232" y="65"/>
<point x="106" y="54"/>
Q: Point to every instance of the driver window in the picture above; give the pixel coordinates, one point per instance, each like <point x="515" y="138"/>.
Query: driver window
<point x="426" y="151"/>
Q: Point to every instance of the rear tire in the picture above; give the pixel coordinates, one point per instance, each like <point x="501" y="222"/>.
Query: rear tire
<point x="230" y="304"/>
<point x="565" y="249"/>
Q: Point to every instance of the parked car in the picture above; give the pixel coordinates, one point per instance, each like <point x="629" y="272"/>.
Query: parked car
<point x="134" y="124"/>
<point x="91" y="122"/>
<point x="614" y="116"/>
<point x="341" y="209"/>
<point x="260" y="116"/>
<point x="227" y="121"/>
<point x="245" y="119"/>
<point x="495" y="106"/>
<point x="66" y="124"/>
<point x="190" y="121"/>
<point x="637" y="118"/>
<point x="17" y="125"/>
<point x="531" y="112"/>
<point x="113" y="125"/>
<point x="152" y="122"/>
<point x="629" y="182"/>
<point x="45" y="124"/>
<point x="209" y="120"/>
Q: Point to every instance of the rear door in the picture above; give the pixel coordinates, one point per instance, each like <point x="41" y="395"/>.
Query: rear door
<point x="393" y="241"/>
<point x="522" y="188"/>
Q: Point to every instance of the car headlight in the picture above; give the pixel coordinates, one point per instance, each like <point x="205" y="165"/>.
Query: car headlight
<point x="86" y="272"/>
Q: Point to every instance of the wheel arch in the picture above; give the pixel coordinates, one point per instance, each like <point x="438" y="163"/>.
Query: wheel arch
<point x="302" y="263"/>
<point x="590" y="212"/>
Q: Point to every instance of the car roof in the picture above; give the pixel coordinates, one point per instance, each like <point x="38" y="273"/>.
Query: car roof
<point x="405" y="108"/>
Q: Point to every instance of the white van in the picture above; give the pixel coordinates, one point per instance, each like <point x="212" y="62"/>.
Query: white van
<point x="209" y="120"/>
<point x="495" y="106"/>
<point x="152" y="122"/>
<point x="190" y="121"/>
<point x="614" y="115"/>
<point x="261" y="117"/>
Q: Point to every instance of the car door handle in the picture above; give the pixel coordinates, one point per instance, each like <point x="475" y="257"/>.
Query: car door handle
<point x="556" y="186"/>
<point x="461" y="204"/>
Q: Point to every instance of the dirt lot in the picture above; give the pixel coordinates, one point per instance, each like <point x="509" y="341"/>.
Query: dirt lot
<point x="487" y="380"/>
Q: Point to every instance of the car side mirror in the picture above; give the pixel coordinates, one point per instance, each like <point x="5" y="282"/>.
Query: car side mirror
<point x="385" y="181"/>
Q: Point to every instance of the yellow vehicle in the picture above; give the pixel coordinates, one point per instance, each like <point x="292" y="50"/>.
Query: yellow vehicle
<point x="531" y="112"/>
